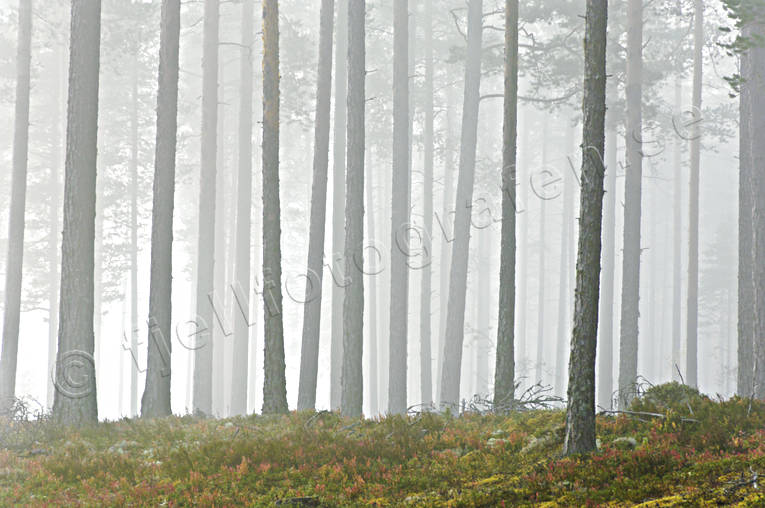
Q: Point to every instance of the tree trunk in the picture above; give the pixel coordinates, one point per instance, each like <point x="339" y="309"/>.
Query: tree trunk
<point x="203" y="354"/>
<point x="455" y="320"/>
<point x="13" y="272"/>
<point x="309" y="358"/>
<point x="426" y="284"/>
<point x="156" y="396"/>
<point x="567" y="217"/>
<point x="580" y="416"/>
<point x="504" y="375"/>
<point x="374" y="348"/>
<point x="693" y="200"/>
<point x="353" y="303"/>
<point x="75" y="399"/>
<point x="525" y="181"/>
<point x="628" y="350"/>
<point x="338" y="203"/>
<point x="399" y="238"/>
<point x="242" y="274"/>
<point x="677" y="281"/>
<point x="134" y="239"/>
<point x="538" y="378"/>
<point x="274" y="382"/>
<point x="606" y="326"/>
<point x="745" y="378"/>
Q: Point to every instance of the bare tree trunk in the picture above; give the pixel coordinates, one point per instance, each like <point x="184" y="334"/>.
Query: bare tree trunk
<point x="455" y="320"/>
<point x="745" y="378"/>
<point x="309" y="359"/>
<point x="628" y="350"/>
<point x="156" y="396"/>
<point x="12" y="314"/>
<point x="606" y="326"/>
<point x="522" y="309"/>
<point x="504" y="374"/>
<point x="203" y="355"/>
<point x="75" y="403"/>
<point x="580" y="416"/>
<point x="274" y="383"/>
<point x="693" y="199"/>
<point x="353" y="304"/>
<point x="55" y="223"/>
<point x="374" y="347"/>
<point x="399" y="239"/>
<point x="426" y="284"/>
<point x="134" y="238"/>
<point x="538" y="378"/>
<point x="338" y="203"/>
<point x="677" y="281"/>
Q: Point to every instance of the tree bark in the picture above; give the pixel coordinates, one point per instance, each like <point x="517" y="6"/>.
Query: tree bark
<point x="374" y="347"/>
<point x="134" y="237"/>
<point x="203" y="354"/>
<point x="541" y="273"/>
<point x="75" y="399"/>
<point x="677" y="282"/>
<point x="745" y="378"/>
<point x="353" y="303"/>
<point x="399" y="241"/>
<point x="338" y="203"/>
<point x="12" y="314"/>
<point x="274" y="383"/>
<point x="455" y="320"/>
<point x="693" y="200"/>
<point x="309" y="359"/>
<point x="504" y="375"/>
<point x="628" y="350"/>
<point x="580" y="415"/>
<point x="156" y="396"/>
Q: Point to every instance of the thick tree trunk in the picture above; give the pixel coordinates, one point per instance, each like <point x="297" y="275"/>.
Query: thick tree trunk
<point x="75" y="399"/>
<point x="606" y="326"/>
<point x="274" y="383"/>
<point x="242" y="274"/>
<point x="580" y="416"/>
<point x="353" y="303"/>
<point x="338" y="203"/>
<point x="399" y="238"/>
<point x="156" y="396"/>
<point x="203" y="354"/>
<point x="455" y="320"/>
<point x="12" y="314"/>
<point x="745" y="378"/>
<point x="693" y="200"/>
<point x="677" y="281"/>
<point x="628" y="350"/>
<point x="426" y="284"/>
<point x="504" y="374"/>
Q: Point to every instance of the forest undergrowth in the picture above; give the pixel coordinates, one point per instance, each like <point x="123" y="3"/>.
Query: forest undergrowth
<point x="674" y="447"/>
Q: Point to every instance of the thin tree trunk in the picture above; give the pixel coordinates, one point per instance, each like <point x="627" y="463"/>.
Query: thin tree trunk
<point x="309" y="358"/>
<point x="606" y="326"/>
<point x="538" y="378"/>
<point x="12" y="315"/>
<point x="745" y="329"/>
<point x="203" y="355"/>
<point x="677" y="281"/>
<point x="523" y="359"/>
<point x="55" y="223"/>
<point x="217" y="298"/>
<point x="274" y="382"/>
<point x="374" y="405"/>
<point x="134" y="239"/>
<point x="399" y="239"/>
<point x="75" y="403"/>
<point x="580" y="416"/>
<point x="156" y="396"/>
<point x="504" y="374"/>
<point x="353" y="303"/>
<point x="242" y="274"/>
<point x="426" y="284"/>
<point x="455" y="320"/>
<point x="338" y="203"/>
<point x="628" y="350"/>
<point x="693" y="200"/>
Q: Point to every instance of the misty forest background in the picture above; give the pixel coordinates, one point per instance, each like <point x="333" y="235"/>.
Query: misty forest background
<point x="685" y="239"/>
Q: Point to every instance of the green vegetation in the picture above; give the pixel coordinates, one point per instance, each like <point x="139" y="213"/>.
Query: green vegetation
<point x="675" y="448"/>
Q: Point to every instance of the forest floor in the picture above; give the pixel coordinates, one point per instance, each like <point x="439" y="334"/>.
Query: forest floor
<point x="676" y="448"/>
